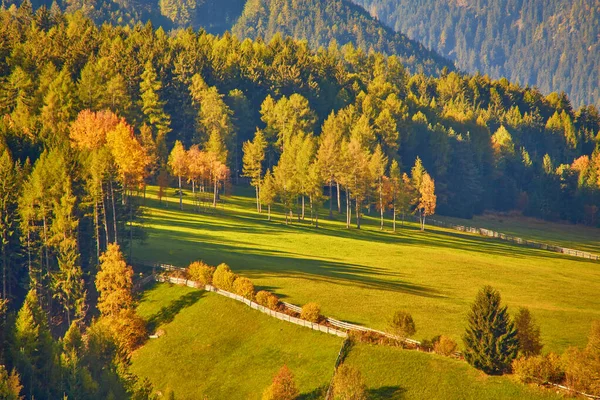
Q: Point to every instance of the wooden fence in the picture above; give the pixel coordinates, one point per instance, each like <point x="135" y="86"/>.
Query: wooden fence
<point x="264" y="310"/>
<point x="512" y="239"/>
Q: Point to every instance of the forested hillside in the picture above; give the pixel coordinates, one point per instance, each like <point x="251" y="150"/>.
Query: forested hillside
<point x="320" y="22"/>
<point x="91" y="115"/>
<point x="554" y="45"/>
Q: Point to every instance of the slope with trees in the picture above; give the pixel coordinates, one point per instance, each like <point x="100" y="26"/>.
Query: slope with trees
<point x="550" y="44"/>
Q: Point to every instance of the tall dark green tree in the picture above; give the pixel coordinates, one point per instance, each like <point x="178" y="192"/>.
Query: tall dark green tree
<point x="491" y="338"/>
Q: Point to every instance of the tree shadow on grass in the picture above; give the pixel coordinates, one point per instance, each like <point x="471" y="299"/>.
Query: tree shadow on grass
<point x="168" y="313"/>
<point x="386" y="393"/>
<point x="316" y="394"/>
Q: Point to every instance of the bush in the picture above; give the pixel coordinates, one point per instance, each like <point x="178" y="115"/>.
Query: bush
<point x="539" y="369"/>
<point x="348" y="384"/>
<point x="444" y="346"/>
<point x="402" y="324"/>
<point x="201" y="273"/>
<point x="311" y="312"/>
<point x="582" y="366"/>
<point x="244" y="287"/>
<point x="127" y="329"/>
<point x="223" y="278"/>
<point x="267" y="299"/>
<point x="283" y="386"/>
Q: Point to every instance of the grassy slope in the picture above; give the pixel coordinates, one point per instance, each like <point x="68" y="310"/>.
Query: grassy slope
<point x="561" y="234"/>
<point x="392" y="373"/>
<point x="222" y="349"/>
<point x="363" y="276"/>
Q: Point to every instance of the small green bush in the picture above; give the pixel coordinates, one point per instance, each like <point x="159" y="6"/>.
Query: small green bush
<point x="444" y="346"/>
<point x="223" y="278"/>
<point x="402" y="324"/>
<point x="244" y="287"/>
<point x="201" y="273"/>
<point x="267" y="299"/>
<point x="539" y="369"/>
<point x="311" y="312"/>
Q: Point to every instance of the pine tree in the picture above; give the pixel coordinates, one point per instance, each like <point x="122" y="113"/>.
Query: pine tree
<point x="153" y="107"/>
<point x="33" y="346"/>
<point x="491" y="338"/>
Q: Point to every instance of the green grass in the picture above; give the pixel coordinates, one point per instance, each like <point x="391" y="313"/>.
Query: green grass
<point x="363" y="276"/>
<point x="392" y="373"/>
<point x="222" y="349"/>
<point x="577" y="237"/>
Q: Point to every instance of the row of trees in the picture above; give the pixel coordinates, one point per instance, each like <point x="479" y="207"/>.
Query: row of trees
<point x="345" y="157"/>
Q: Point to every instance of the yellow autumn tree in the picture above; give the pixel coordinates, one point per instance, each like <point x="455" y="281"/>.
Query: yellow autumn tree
<point x="114" y="282"/>
<point x="179" y="165"/>
<point x="427" y="199"/>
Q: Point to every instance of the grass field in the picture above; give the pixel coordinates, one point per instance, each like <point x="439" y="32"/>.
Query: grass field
<point x="222" y="349"/>
<point x="363" y="276"/>
<point x="391" y="373"/>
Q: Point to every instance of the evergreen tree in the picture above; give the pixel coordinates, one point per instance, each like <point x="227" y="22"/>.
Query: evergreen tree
<point x="528" y="334"/>
<point x="152" y="106"/>
<point x="491" y="341"/>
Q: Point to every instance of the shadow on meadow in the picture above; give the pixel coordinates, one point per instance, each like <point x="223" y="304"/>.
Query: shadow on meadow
<point x="386" y="393"/>
<point x="168" y="313"/>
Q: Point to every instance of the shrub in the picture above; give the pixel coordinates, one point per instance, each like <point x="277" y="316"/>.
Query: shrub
<point x="283" y="386"/>
<point x="582" y="366"/>
<point x="201" y="273"/>
<point x="127" y="329"/>
<point x="539" y="369"/>
<point x="223" y="278"/>
<point x="444" y="346"/>
<point x="244" y="287"/>
<point x="491" y="342"/>
<point x="267" y="299"/>
<point x="311" y="312"/>
<point x="348" y="384"/>
<point x="402" y="324"/>
<point x="528" y="334"/>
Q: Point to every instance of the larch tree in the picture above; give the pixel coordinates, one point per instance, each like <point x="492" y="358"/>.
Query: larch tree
<point x="358" y="174"/>
<point x="303" y="160"/>
<point x="254" y="155"/>
<point x="114" y="282"/>
<point x="216" y="161"/>
<point x="197" y="168"/>
<point x="395" y="190"/>
<point x="427" y="199"/>
<point x="378" y="164"/>
<point x="268" y="192"/>
<point x="178" y="163"/>
<point x="328" y="154"/>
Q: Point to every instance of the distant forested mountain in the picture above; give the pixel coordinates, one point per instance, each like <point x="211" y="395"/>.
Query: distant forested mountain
<point x="553" y="44"/>
<point x="322" y="21"/>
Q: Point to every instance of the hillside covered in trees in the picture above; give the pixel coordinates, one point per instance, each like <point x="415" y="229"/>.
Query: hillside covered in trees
<point x="92" y="114"/>
<point x="320" y="22"/>
<point x="553" y="45"/>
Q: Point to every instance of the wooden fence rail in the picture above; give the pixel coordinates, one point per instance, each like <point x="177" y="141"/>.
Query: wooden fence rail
<point x="512" y="239"/>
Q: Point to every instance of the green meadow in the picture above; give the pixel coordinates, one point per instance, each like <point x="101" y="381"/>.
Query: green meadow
<point x="217" y="348"/>
<point x="363" y="276"/>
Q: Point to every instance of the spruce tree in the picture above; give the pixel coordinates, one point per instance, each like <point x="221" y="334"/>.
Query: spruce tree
<point x="491" y="338"/>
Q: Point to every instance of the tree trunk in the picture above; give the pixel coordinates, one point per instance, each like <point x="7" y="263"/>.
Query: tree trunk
<point x="96" y="225"/>
<point x="316" y="218"/>
<point x="269" y="211"/>
<point x="130" y="230"/>
<point x="330" y="199"/>
<point x="381" y="202"/>
<point x="257" y="200"/>
<point x="394" y="219"/>
<point x="357" y="214"/>
<point x="348" y="212"/>
<point x="339" y="201"/>
<point x="112" y="196"/>
<point x="107" y="239"/>
<point x="180" y="195"/>
<point x="4" y="265"/>
<point x="215" y="194"/>
<point x="302" y="207"/>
